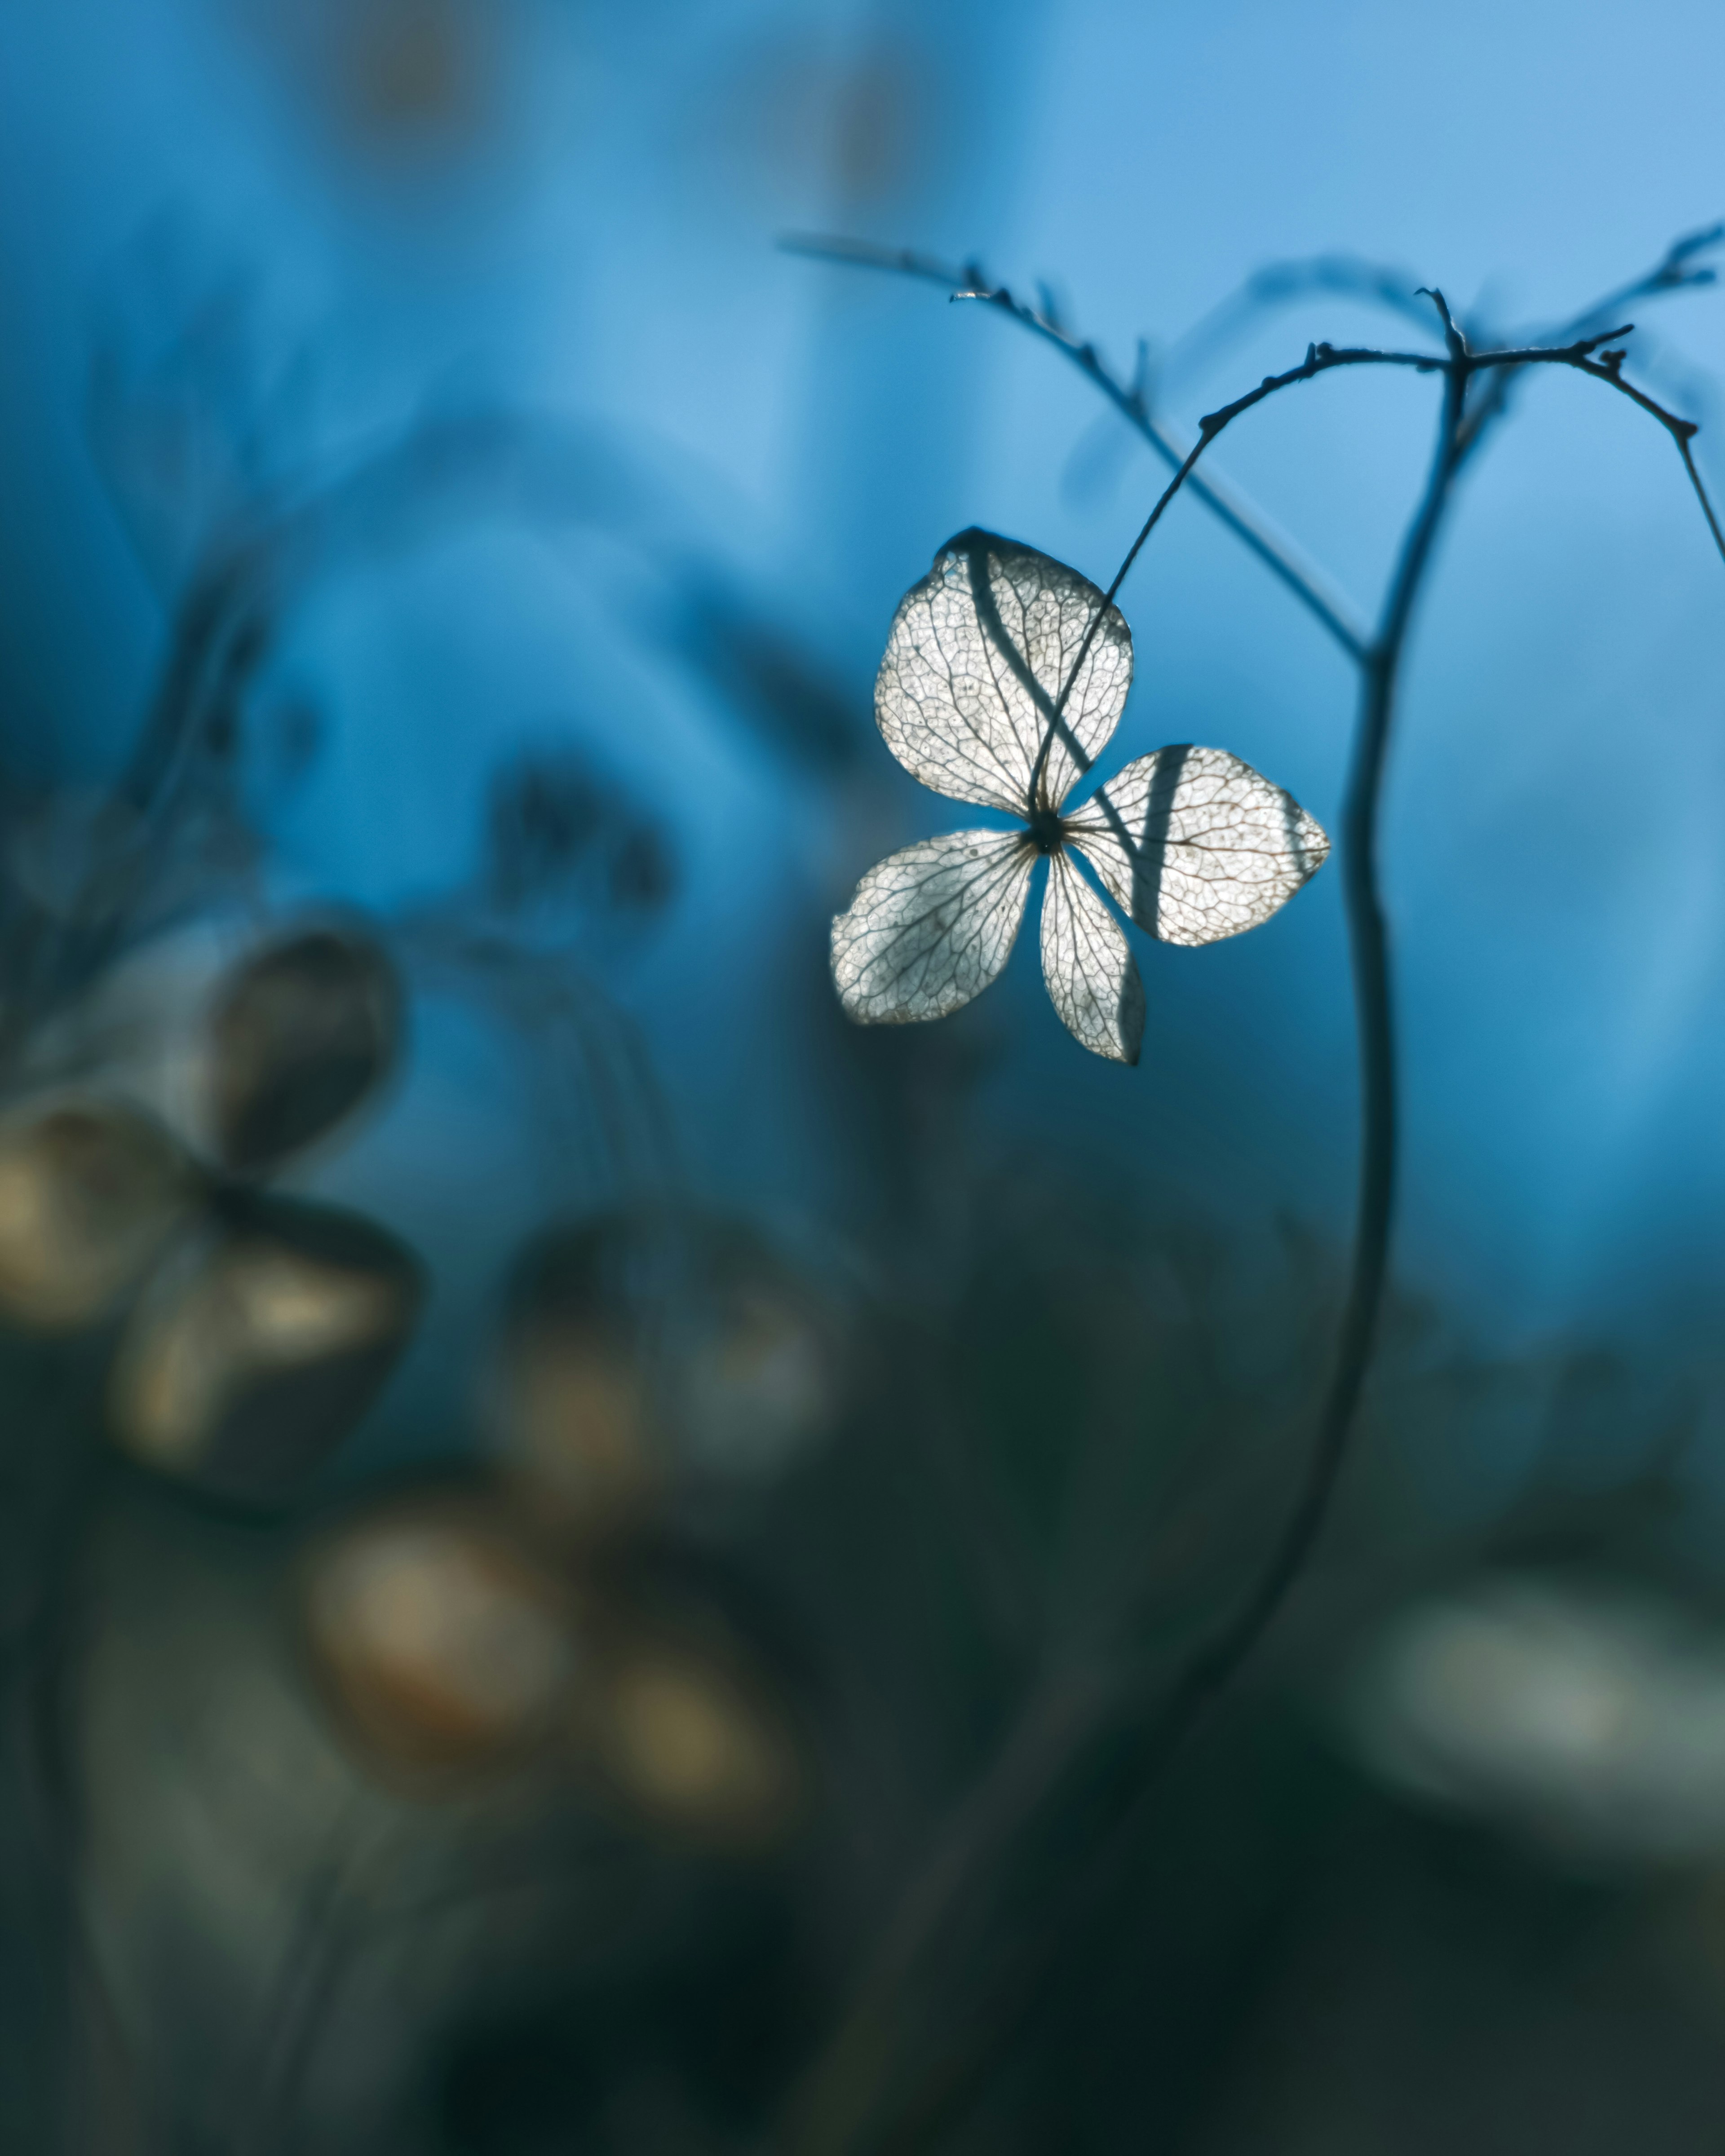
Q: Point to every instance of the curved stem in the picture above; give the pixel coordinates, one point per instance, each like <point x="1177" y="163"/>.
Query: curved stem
<point x="845" y="2092"/>
<point x="1319" y="359"/>
<point x="1368" y="947"/>
<point x="852" y="2064"/>
<point x="1309" y="584"/>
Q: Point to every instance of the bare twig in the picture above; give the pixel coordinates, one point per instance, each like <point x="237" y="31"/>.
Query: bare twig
<point x="1677" y="270"/>
<point x="1315" y="590"/>
<point x="1607" y="367"/>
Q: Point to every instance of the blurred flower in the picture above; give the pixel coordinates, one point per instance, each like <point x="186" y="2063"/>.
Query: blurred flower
<point x="689" y="1744"/>
<point x="648" y="1347"/>
<point x="450" y="1646"/>
<point x="259" y="1327"/>
<point x="1591" y="1717"/>
<point x="439" y="1639"/>
<point x="301" y="1035"/>
<point x="797" y="119"/>
<point x="977" y="697"/>
<point x="559" y="836"/>
<point x="89" y="1194"/>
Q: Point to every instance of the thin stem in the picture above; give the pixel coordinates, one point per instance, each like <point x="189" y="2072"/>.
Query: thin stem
<point x="1368" y="945"/>
<point x="1608" y="368"/>
<point x="1676" y="271"/>
<point x="1309" y="584"/>
<point x="1284" y="283"/>
<point x="864" y="2035"/>
<point x="1319" y="359"/>
<point x="1458" y="368"/>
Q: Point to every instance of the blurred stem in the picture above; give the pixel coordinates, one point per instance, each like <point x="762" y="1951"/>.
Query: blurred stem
<point x="1309" y="584"/>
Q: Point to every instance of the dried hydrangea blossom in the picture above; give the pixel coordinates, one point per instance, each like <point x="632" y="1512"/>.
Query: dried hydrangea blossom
<point x="978" y="696"/>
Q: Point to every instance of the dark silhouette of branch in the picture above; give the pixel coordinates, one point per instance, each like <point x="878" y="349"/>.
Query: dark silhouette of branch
<point x="1463" y="364"/>
<point x="1608" y="368"/>
<point x="1309" y="584"/>
<point x="1677" y="270"/>
<point x="1368" y="940"/>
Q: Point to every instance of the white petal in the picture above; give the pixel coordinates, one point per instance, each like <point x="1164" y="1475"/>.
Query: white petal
<point x="977" y="656"/>
<point x="1196" y="845"/>
<point x="932" y="926"/>
<point x="1089" y="970"/>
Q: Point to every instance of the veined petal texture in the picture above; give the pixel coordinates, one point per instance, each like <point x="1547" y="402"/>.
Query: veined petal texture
<point x="1196" y="845"/>
<point x="932" y="926"/>
<point x="1090" y="974"/>
<point x="976" y="660"/>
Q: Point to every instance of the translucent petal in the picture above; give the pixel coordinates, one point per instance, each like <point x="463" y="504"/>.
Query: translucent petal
<point x="932" y="926"/>
<point x="1089" y="970"/>
<point x="1197" y="845"/>
<point x="977" y="656"/>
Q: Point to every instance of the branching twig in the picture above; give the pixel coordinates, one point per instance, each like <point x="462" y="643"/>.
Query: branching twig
<point x="1314" y="589"/>
<point x="1677" y="270"/>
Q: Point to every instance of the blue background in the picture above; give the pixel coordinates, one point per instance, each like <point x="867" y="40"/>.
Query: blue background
<point x="406" y="206"/>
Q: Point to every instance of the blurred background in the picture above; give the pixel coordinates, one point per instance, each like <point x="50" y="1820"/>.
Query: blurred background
<point x="583" y="1544"/>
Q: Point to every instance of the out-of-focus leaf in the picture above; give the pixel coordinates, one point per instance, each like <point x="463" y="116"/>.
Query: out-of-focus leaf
<point x="773" y="683"/>
<point x="253" y="1352"/>
<point x="1197" y="845"/>
<point x="301" y="1035"/>
<point x="581" y="1423"/>
<point x="977" y="660"/>
<point x="760" y="1378"/>
<point x="89" y="1192"/>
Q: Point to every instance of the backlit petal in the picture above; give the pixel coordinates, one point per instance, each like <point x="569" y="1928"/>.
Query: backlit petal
<point x="978" y="657"/>
<point x="1196" y="845"/>
<point x="932" y="926"/>
<point x="1090" y="974"/>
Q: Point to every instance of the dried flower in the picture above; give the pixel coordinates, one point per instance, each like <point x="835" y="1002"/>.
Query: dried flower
<point x="1005" y="674"/>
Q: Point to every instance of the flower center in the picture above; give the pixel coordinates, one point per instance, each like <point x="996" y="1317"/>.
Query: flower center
<point x="1047" y="830"/>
